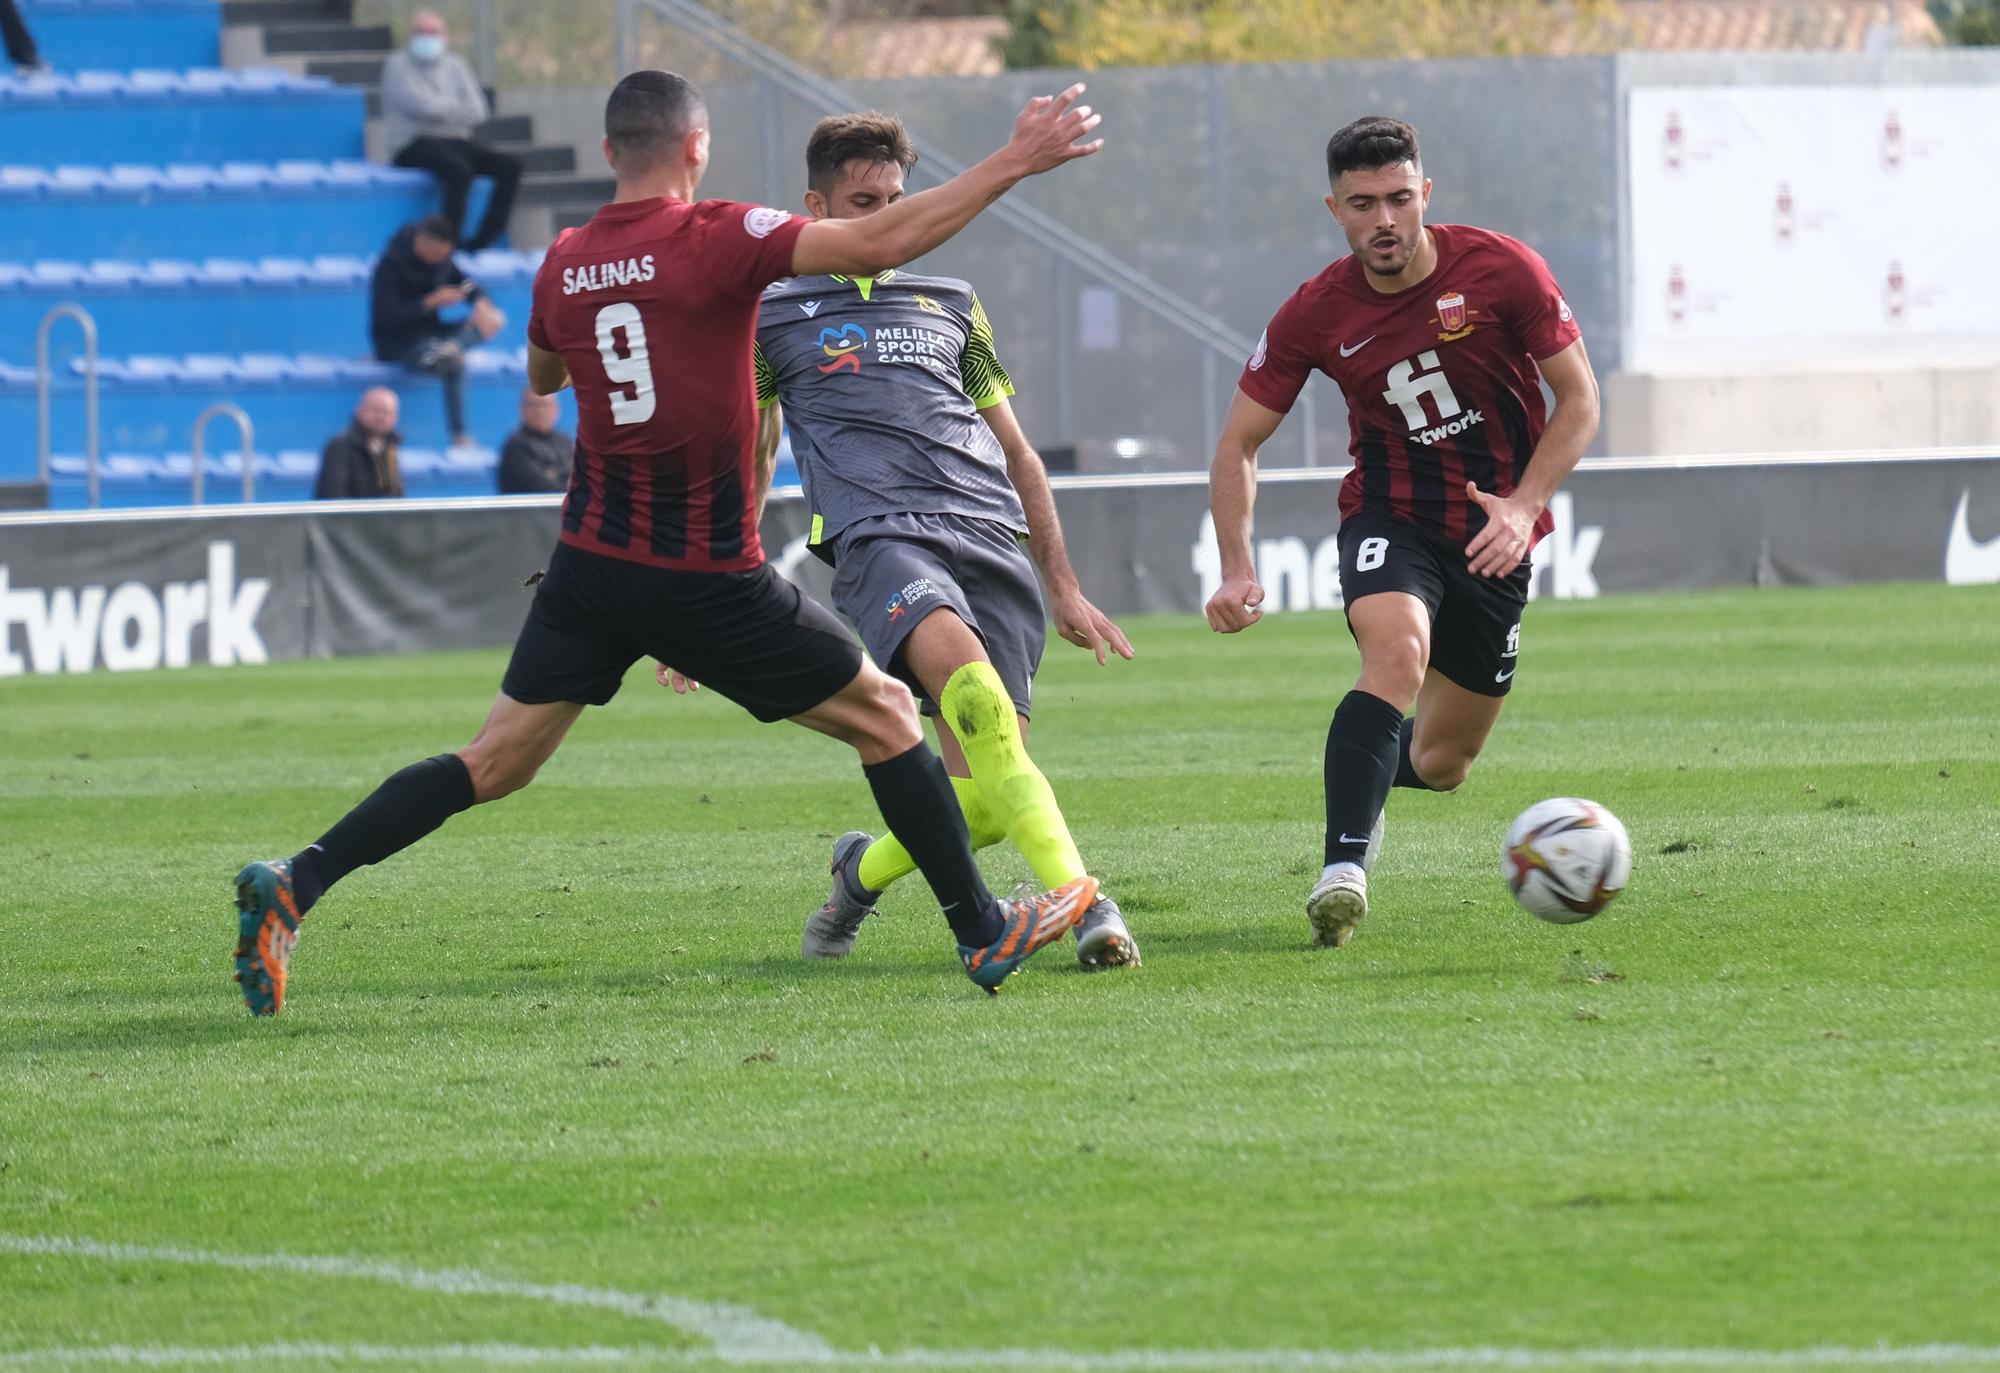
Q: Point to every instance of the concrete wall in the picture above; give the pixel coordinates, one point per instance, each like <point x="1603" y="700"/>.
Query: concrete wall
<point x="1819" y="412"/>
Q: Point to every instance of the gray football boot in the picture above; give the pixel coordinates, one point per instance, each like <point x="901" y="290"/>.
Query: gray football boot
<point x="1102" y="941"/>
<point x="831" y="929"/>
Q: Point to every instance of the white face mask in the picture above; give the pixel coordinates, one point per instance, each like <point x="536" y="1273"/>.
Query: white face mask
<point x="427" y="47"/>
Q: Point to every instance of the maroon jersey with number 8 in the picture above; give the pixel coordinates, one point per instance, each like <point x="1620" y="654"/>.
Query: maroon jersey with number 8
<point x="653" y="307"/>
<point x="1440" y="379"/>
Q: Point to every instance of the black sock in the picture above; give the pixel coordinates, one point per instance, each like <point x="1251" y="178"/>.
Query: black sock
<point x="915" y="798"/>
<point x="1361" y="748"/>
<point x="1406" y="775"/>
<point x="396" y="815"/>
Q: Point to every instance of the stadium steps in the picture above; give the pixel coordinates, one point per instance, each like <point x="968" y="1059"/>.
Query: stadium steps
<point x="231" y="209"/>
<point x="148" y="403"/>
<point x="319" y="36"/>
<point x="167" y="305"/>
<point x="155" y="116"/>
<point x="125" y="34"/>
<point x="149" y="479"/>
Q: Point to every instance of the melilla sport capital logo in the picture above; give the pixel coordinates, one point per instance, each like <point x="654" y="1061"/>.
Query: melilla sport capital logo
<point x="842" y="347"/>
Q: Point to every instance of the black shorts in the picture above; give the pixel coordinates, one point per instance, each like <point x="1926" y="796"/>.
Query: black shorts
<point x="1475" y="620"/>
<point x="752" y="636"/>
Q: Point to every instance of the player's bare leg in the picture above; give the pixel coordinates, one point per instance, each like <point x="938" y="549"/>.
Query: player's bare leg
<point x="999" y="787"/>
<point x="1448" y="734"/>
<point x="1392" y="630"/>
<point x="877" y="716"/>
<point x="272" y="897"/>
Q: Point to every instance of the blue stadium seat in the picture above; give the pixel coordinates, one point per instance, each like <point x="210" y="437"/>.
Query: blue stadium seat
<point x="149" y="401"/>
<point x="281" y="305"/>
<point x="240" y="209"/>
<point x="165" y="116"/>
<point x="126" y="34"/>
<point x="127" y="479"/>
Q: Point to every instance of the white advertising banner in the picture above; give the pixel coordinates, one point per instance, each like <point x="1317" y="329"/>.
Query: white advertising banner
<point x="1797" y="227"/>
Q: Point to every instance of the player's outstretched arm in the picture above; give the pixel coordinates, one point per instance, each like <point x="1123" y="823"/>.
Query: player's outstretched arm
<point x="1232" y="493"/>
<point x="547" y="372"/>
<point x="1045" y="136"/>
<point x="1077" y="621"/>
<point x="1497" y="549"/>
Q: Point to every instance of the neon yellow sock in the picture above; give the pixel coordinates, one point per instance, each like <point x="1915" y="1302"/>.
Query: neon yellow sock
<point x="886" y="859"/>
<point x="1015" y="792"/>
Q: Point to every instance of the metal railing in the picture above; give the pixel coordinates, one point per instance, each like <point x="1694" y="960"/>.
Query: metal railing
<point x="1212" y="334"/>
<point x="223" y="409"/>
<point x="44" y="378"/>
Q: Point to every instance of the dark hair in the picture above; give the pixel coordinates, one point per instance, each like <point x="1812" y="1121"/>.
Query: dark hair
<point x="647" y="114"/>
<point x="841" y="138"/>
<point x="438" y="227"/>
<point x="1370" y="142"/>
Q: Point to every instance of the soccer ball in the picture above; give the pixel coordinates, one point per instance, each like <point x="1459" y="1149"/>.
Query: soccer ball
<point x="1565" y="859"/>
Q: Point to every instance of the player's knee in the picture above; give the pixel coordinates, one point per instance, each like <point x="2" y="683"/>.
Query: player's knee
<point x="1394" y="668"/>
<point x="888" y="723"/>
<point x="497" y="772"/>
<point x="1443" y="768"/>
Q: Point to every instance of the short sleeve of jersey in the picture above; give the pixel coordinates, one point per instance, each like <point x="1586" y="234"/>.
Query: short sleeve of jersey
<point x="1541" y="318"/>
<point x="746" y="247"/>
<point x="767" y="380"/>
<point x="1277" y="371"/>
<point x="985" y="380"/>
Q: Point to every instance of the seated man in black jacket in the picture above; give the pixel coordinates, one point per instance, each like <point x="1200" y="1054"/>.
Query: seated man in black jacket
<point x="360" y="462"/>
<point x="415" y="279"/>
<point x="535" y="457"/>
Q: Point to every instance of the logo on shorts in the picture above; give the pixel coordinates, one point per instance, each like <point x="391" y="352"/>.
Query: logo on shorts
<point x="842" y="347"/>
<point x="1513" y="649"/>
<point x="916" y="591"/>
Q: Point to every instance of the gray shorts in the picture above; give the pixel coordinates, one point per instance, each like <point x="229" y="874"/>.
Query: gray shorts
<point x="892" y="570"/>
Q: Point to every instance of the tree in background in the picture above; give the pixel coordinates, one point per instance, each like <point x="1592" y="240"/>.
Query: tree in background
<point x="1116" y="33"/>
<point x="1969" y="23"/>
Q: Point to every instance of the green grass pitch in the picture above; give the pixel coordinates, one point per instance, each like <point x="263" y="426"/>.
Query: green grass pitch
<point x="553" y="1088"/>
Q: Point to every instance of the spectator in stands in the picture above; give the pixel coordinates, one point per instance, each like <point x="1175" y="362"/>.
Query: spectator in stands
<point x="415" y="278"/>
<point x="360" y="462"/>
<point x="431" y="105"/>
<point x="21" y="49"/>
<point x="535" y="457"/>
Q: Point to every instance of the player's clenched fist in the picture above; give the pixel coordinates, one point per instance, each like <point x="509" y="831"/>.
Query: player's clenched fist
<point x="1236" y="604"/>
<point x="1046" y="134"/>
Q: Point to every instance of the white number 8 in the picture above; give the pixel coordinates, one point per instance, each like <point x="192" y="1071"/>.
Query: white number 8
<point x="634" y="368"/>
<point x="1369" y="556"/>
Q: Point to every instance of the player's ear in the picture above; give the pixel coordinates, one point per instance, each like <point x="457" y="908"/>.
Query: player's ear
<point x="609" y="160"/>
<point x="696" y="148"/>
<point x="1427" y="193"/>
<point x="1333" y="206"/>
<point x="816" y="205"/>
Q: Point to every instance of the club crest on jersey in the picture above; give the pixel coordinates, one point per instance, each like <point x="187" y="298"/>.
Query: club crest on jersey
<point x="842" y="347"/>
<point x="1452" y="317"/>
<point x="928" y="306"/>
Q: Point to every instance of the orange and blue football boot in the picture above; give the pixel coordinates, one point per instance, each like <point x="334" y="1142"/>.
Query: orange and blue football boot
<point x="1027" y="925"/>
<point x="267" y="930"/>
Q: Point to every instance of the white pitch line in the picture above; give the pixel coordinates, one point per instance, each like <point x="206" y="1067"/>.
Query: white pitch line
<point x="743" y="1338"/>
<point x="1126" y="1361"/>
<point x="732" y="1329"/>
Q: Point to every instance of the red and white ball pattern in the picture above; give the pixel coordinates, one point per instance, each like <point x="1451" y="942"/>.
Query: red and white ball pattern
<point x="1565" y="859"/>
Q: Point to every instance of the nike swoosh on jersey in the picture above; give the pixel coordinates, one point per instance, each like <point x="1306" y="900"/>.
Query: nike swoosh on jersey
<point x="1347" y="352"/>
<point x="1969" y="561"/>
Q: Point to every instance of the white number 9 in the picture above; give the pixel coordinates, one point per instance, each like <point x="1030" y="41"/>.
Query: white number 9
<point x="633" y="368"/>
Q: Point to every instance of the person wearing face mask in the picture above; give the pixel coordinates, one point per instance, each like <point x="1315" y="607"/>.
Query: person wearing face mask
<point x="431" y="103"/>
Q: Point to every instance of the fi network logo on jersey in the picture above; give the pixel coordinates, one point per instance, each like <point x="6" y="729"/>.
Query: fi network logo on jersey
<point x="842" y="347"/>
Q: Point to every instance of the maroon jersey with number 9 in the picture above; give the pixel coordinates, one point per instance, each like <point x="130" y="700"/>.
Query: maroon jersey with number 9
<point x="1440" y="379"/>
<point x="653" y="307"/>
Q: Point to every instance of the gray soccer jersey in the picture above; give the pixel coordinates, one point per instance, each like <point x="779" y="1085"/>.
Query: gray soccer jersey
<point x="882" y="381"/>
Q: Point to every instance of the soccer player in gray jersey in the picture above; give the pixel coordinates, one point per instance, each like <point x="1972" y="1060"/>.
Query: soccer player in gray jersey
<point x="922" y="489"/>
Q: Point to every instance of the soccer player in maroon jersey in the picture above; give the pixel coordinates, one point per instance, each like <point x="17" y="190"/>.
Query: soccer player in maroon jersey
<point x="650" y="310"/>
<point x="1435" y="334"/>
